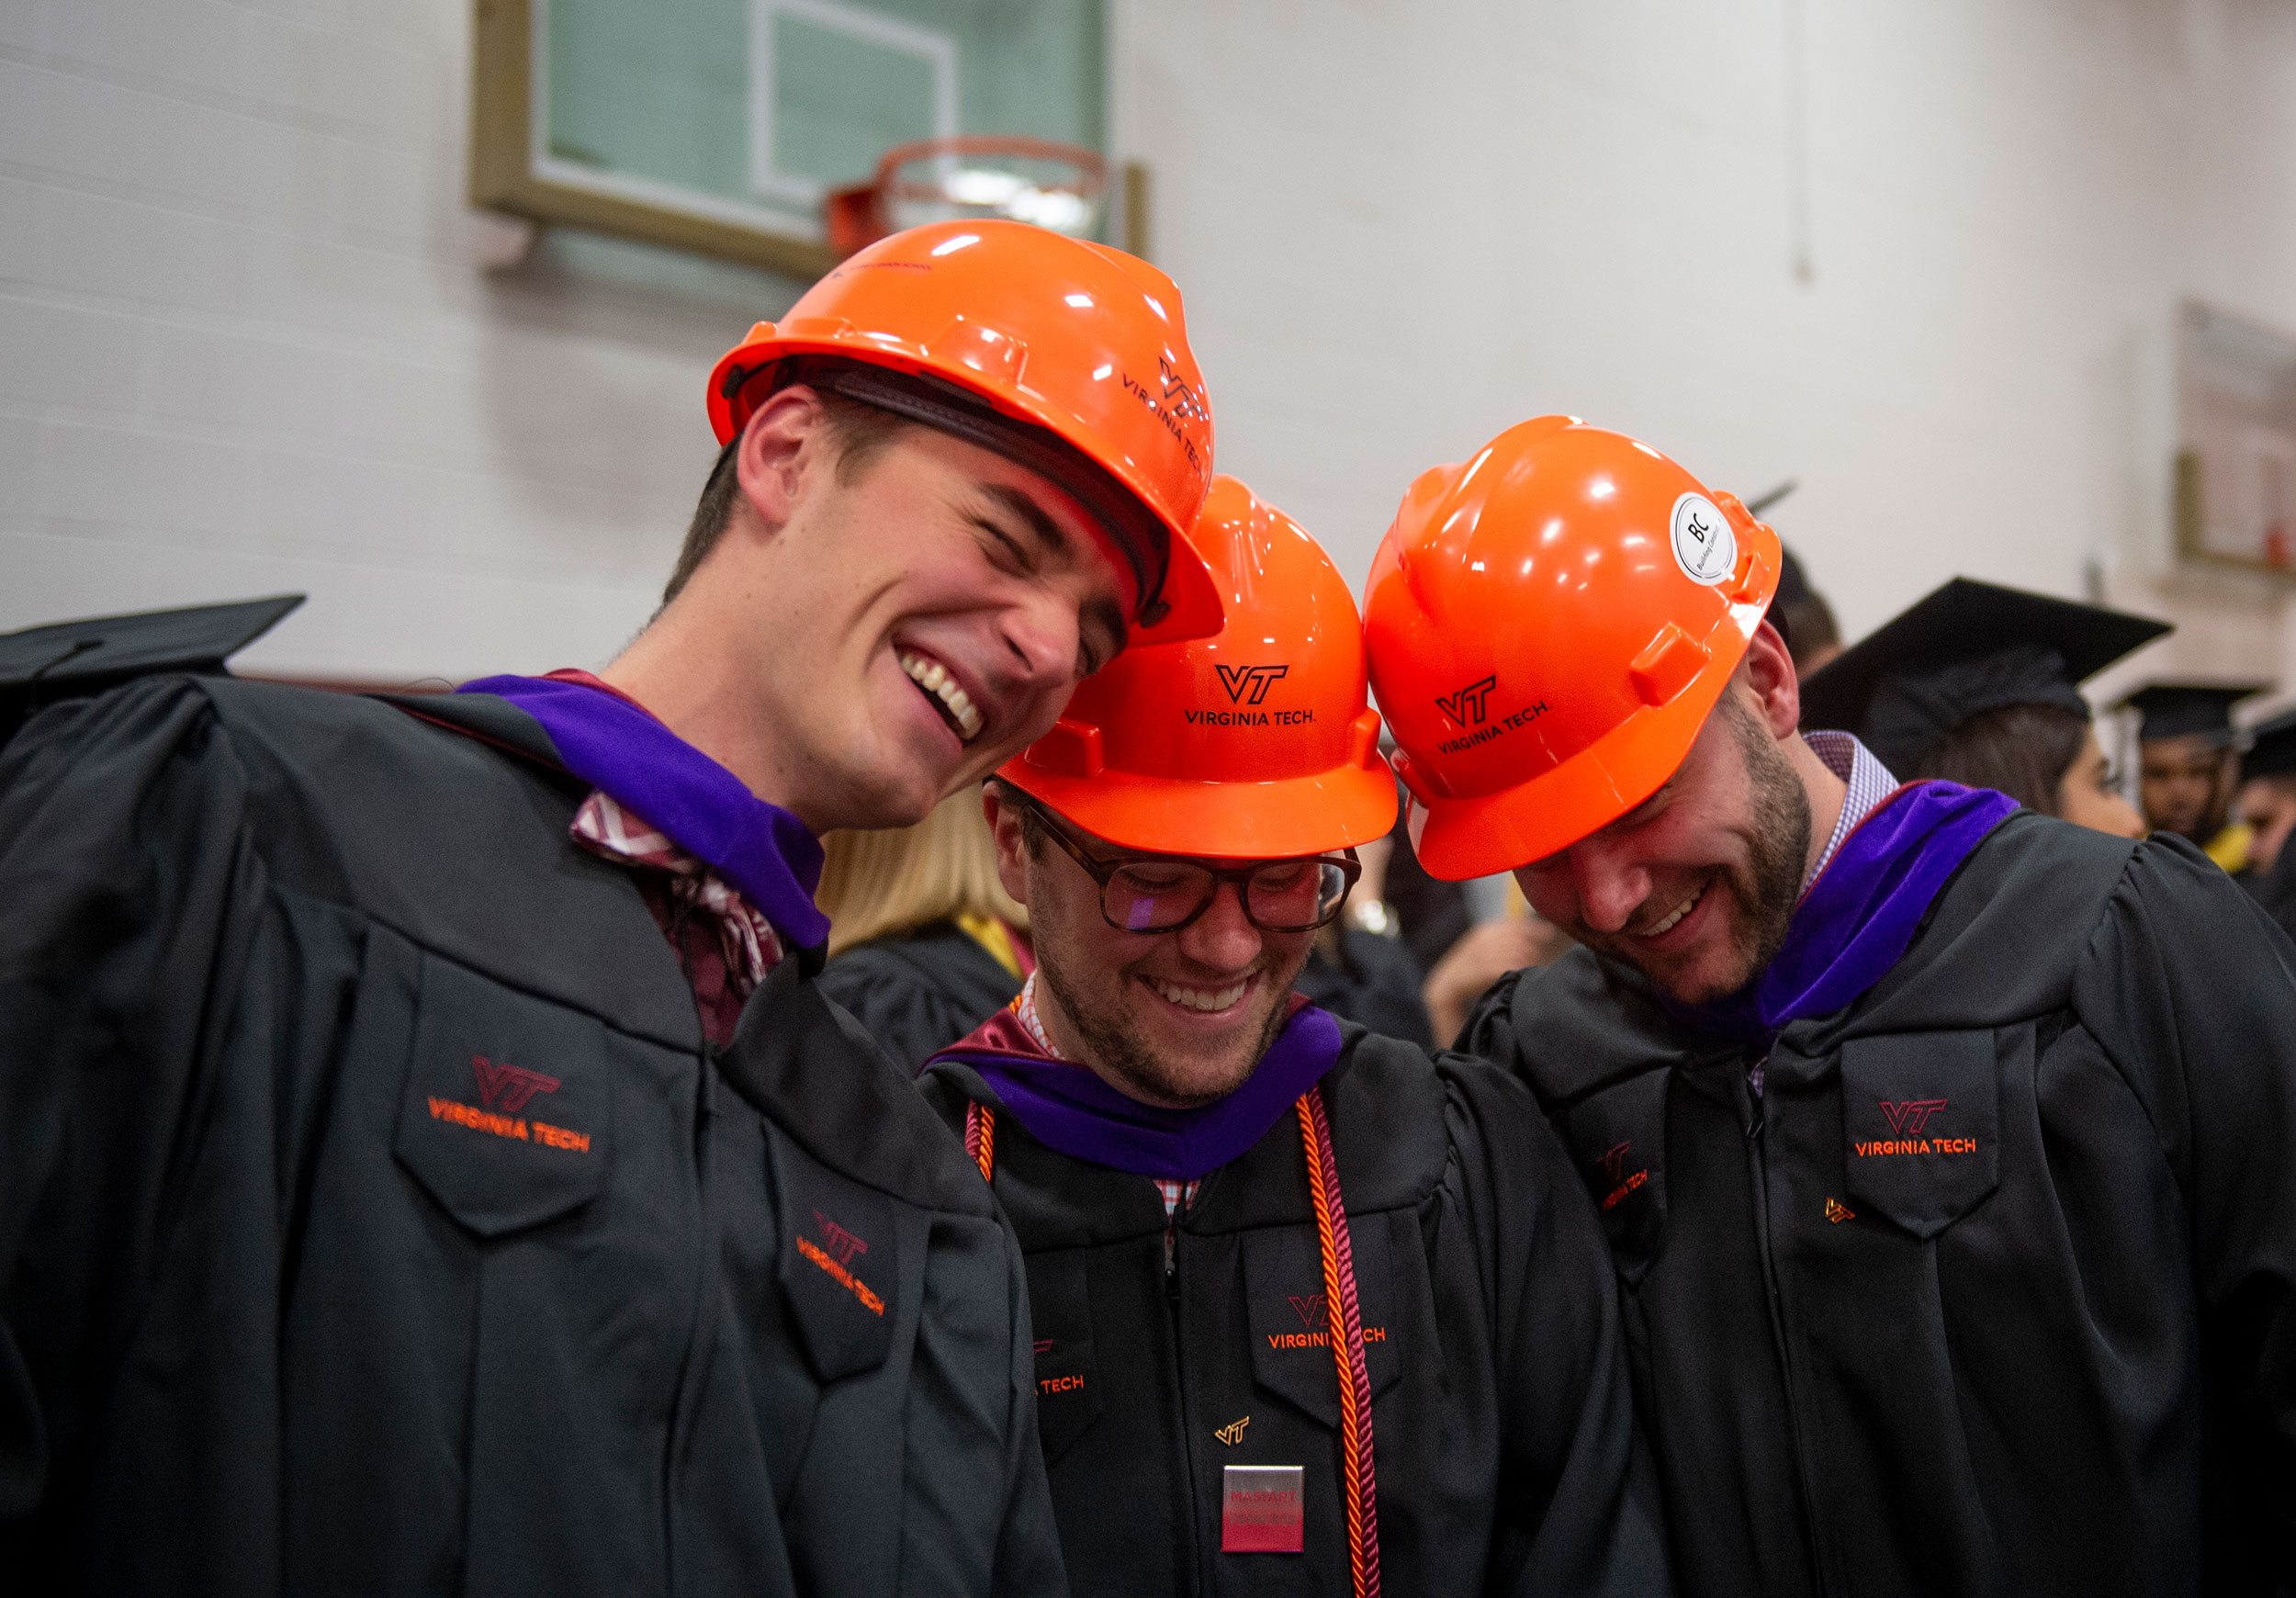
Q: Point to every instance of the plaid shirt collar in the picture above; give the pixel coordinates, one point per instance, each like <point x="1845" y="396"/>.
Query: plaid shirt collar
<point x="614" y="832"/>
<point x="1867" y="780"/>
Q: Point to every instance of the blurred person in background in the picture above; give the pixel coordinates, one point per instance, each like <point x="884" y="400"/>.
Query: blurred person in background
<point x="2268" y="805"/>
<point x="2267" y="802"/>
<point x="925" y="944"/>
<point x="1978" y="684"/>
<point x="1358" y="967"/>
<point x="1428" y="915"/>
<point x="1517" y="941"/>
<point x="2188" y="764"/>
<point x="1947" y="1150"/>
<point x="1314" y="1313"/>
<point x="428" y="1162"/>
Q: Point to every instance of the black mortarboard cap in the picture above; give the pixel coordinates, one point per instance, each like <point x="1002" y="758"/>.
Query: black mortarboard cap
<point x="67" y="659"/>
<point x="1962" y="650"/>
<point x="2274" y="751"/>
<point x="2174" y="710"/>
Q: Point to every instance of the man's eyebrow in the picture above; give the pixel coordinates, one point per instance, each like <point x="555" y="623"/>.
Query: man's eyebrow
<point x="1048" y="532"/>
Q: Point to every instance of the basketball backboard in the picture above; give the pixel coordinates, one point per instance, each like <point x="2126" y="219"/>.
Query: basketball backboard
<point x="721" y="126"/>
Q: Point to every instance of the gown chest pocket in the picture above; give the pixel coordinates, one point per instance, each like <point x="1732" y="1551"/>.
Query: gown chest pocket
<point x="840" y="1263"/>
<point x="506" y="1117"/>
<point x="1291" y="1320"/>
<point x="1921" y="1124"/>
<point x="1067" y="1371"/>
<point x="1618" y="1140"/>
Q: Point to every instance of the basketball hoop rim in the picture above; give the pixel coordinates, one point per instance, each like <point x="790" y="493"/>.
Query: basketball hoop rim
<point x="1089" y="161"/>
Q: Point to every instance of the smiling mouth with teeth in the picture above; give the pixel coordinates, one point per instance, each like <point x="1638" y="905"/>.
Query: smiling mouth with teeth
<point x="1674" y="919"/>
<point x="1206" y="999"/>
<point x="941" y="689"/>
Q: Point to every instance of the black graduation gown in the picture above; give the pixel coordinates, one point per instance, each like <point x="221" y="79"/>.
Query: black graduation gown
<point x="2274" y="890"/>
<point x="921" y="992"/>
<point x="1374" y="983"/>
<point x="2038" y="1336"/>
<point x="1502" y="1421"/>
<point x="305" y="1287"/>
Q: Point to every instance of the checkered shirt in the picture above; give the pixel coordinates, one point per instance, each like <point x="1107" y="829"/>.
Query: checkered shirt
<point x="724" y="966"/>
<point x="1869" y="782"/>
<point x="1177" y="1194"/>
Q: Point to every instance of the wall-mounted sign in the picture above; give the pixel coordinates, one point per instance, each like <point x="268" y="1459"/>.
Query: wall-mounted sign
<point x="2235" y="481"/>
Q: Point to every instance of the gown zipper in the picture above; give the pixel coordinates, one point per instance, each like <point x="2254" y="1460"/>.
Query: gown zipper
<point x="1753" y="1107"/>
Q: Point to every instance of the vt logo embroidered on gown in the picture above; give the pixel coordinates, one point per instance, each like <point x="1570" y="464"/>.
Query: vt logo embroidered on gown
<point x="1615" y="1170"/>
<point x="508" y="1087"/>
<point x="844" y="1246"/>
<point x="1910" y="1115"/>
<point x="1310" y="1308"/>
<point x="1908" y="1118"/>
<point x="504" y="1091"/>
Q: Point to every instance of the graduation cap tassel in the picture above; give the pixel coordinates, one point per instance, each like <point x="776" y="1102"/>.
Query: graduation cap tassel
<point x="1344" y="1325"/>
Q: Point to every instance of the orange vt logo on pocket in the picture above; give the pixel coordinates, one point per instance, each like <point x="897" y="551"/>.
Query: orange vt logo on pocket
<point x="508" y="1087"/>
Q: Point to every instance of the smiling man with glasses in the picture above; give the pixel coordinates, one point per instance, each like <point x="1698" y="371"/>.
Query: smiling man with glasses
<point x="1313" y="1313"/>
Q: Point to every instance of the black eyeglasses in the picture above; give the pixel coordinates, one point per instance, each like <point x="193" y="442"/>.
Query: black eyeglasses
<point x="1160" y="892"/>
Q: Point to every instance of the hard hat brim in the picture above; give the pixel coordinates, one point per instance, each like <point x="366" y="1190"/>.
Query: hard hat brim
<point x="1276" y="820"/>
<point x="1457" y="840"/>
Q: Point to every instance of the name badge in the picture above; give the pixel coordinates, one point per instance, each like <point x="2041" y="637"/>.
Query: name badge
<point x="1263" y="1509"/>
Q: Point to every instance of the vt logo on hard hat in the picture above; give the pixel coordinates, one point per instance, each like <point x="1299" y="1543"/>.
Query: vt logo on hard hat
<point x="1465" y="705"/>
<point x="1180" y="396"/>
<point x="1178" y="402"/>
<point x="1236" y="679"/>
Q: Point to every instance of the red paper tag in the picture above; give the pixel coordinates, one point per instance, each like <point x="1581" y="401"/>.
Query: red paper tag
<point x="1264" y="1509"/>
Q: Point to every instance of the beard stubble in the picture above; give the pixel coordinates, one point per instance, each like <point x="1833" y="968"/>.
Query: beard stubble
<point x="1120" y="1049"/>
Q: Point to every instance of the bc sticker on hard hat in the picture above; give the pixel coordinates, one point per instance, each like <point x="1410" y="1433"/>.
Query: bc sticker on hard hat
<point x="1704" y="548"/>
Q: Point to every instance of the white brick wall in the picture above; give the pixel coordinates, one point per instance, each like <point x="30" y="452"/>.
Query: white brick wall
<point x="244" y="345"/>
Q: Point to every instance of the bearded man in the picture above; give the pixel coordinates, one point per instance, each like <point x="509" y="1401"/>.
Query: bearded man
<point x="1947" y="1152"/>
<point x="1314" y="1313"/>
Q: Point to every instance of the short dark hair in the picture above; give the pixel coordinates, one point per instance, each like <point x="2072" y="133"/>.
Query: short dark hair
<point x="859" y="432"/>
<point x="2025" y="750"/>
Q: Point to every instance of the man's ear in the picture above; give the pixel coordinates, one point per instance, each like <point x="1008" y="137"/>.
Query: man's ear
<point x="1012" y="844"/>
<point x="786" y="442"/>
<point x="1769" y="668"/>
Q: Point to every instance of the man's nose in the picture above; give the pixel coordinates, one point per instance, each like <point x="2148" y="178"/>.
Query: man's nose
<point x="1040" y="633"/>
<point x="1222" y="937"/>
<point x="1610" y="888"/>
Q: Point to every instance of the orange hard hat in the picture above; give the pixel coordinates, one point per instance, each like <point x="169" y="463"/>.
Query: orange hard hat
<point x="1064" y="355"/>
<point x="1548" y="626"/>
<point x="1254" y="745"/>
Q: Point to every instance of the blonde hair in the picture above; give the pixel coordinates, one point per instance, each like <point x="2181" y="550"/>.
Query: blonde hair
<point x="879" y="884"/>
